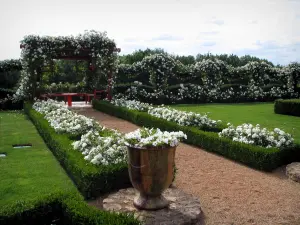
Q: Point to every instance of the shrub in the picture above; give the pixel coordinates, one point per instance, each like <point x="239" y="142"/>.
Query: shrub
<point x="90" y="179"/>
<point x="255" y="135"/>
<point x="288" y="107"/>
<point x="253" y="156"/>
<point x="60" y="208"/>
<point x="9" y="104"/>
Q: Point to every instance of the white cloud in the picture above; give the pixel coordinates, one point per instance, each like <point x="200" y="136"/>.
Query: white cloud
<point x="178" y="26"/>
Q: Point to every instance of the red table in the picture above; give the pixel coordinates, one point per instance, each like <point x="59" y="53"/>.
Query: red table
<point x="66" y="95"/>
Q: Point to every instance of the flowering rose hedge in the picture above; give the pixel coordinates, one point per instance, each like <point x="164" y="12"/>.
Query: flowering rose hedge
<point x="252" y="155"/>
<point x="287" y="107"/>
<point x="159" y="78"/>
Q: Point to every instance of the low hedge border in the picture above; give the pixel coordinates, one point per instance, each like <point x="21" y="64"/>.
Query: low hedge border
<point x="253" y="156"/>
<point x="91" y="180"/>
<point x="287" y="107"/>
<point x="61" y="209"/>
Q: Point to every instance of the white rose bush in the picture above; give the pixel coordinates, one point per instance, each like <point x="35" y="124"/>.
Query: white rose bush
<point x="104" y="150"/>
<point x="183" y="118"/>
<point x="255" y="135"/>
<point x="63" y="120"/>
<point x="130" y="104"/>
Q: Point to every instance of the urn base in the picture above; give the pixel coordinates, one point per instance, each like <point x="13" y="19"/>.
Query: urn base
<point x="150" y="202"/>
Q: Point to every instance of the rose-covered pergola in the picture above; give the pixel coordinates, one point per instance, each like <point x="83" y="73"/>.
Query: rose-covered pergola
<point x="94" y="47"/>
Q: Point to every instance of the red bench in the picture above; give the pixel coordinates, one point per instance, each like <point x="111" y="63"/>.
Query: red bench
<point x="68" y="96"/>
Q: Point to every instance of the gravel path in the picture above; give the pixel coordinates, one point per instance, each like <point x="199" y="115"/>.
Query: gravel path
<point x="230" y="193"/>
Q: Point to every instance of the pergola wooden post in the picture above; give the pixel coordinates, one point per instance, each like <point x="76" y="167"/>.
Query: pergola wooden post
<point x="109" y="95"/>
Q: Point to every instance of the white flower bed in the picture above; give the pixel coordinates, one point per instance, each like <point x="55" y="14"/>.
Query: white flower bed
<point x="183" y="118"/>
<point x="180" y="117"/>
<point x="64" y="120"/>
<point x="102" y="150"/>
<point x="255" y="135"/>
<point x="131" y="104"/>
<point x="146" y="137"/>
<point x="107" y="149"/>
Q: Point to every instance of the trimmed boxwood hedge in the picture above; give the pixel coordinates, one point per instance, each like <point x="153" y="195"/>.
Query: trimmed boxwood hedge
<point x="287" y="107"/>
<point x="91" y="180"/>
<point x="61" y="209"/>
<point x="253" y="156"/>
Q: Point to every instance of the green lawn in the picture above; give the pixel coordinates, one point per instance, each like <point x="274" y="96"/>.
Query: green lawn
<point x="27" y="173"/>
<point x="255" y="113"/>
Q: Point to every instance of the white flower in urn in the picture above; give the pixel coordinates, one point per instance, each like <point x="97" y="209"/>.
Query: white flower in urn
<point x="145" y="137"/>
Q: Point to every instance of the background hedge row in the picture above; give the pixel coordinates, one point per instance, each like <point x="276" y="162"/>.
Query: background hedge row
<point x="91" y="180"/>
<point x="9" y="105"/>
<point x="287" y="107"/>
<point x="253" y="156"/>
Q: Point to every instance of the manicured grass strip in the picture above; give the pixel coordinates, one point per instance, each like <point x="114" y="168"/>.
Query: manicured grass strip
<point x="91" y="180"/>
<point x="34" y="188"/>
<point x="27" y="173"/>
<point x="288" y="107"/>
<point x="253" y="156"/>
<point x="254" y="113"/>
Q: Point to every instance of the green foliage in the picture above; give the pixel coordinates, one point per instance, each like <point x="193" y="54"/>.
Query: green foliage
<point x="64" y="71"/>
<point x="90" y="179"/>
<point x="287" y="106"/>
<point x="139" y="55"/>
<point x="9" y="73"/>
<point x="10" y="65"/>
<point x="232" y="59"/>
<point x="253" y="156"/>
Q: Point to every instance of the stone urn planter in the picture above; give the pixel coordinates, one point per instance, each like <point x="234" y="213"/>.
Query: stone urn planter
<point x="151" y="155"/>
<point x="151" y="173"/>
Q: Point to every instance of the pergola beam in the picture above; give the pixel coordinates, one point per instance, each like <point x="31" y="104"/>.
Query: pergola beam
<point x="82" y="49"/>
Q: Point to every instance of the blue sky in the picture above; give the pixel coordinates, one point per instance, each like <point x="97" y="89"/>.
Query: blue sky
<point x="267" y="28"/>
